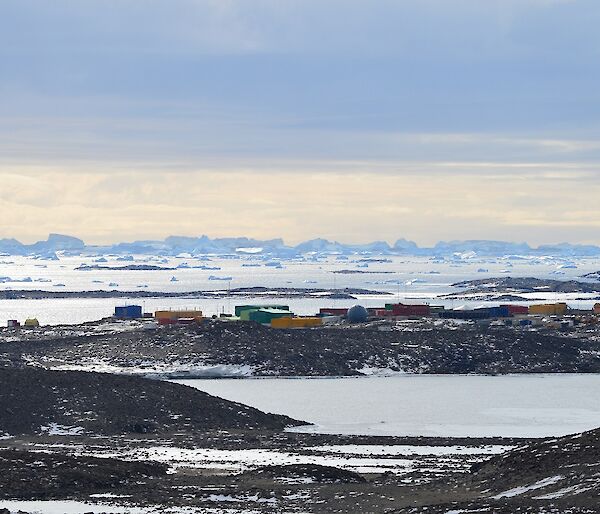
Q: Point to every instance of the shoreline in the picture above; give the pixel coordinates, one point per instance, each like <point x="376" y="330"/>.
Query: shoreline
<point x="241" y="292"/>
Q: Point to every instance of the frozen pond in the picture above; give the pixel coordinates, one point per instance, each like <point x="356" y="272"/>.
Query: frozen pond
<point x="92" y="507"/>
<point x="426" y="405"/>
<point x="68" y="507"/>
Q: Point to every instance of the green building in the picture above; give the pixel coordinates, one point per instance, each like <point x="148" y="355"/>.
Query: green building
<point x="265" y="316"/>
<point x="239" y="309"/>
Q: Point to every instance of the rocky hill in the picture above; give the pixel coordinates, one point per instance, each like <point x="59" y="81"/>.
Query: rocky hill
<point x="555" y="475"/>
<point x="524" y="285"/>
<point x="37" y="401"/>
<point x="248" y="348"/>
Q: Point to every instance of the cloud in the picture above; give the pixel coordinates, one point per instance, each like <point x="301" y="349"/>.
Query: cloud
<point x="295" y="26"/>
<point x="298" y="204"/>
<point x="354" y="120"/>
<point x="459" y="66"/>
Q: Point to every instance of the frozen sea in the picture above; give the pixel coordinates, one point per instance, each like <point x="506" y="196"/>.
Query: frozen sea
<point x="534" y="405"/>
<point x="408" y="279"/>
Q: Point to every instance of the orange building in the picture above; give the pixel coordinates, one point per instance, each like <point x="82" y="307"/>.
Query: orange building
<point x="549" y="309"/>
<point x="187" y="316"/>
<point x="290" y="322"/>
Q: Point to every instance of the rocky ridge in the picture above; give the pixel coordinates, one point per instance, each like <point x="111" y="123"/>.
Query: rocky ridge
<point x="244" y="348"/>
<point x="512" y="285"/>
<point x="37" y="401"/>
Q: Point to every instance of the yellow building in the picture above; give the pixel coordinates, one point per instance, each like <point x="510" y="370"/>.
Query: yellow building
<point x="307" y="322"/>
<point x="549" y="309"/>
<point x="31" y="322"/>
<point x="174" y="315"/>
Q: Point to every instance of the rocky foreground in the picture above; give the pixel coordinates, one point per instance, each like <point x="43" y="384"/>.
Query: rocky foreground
<point x="244" y="348"/>
<point x="123" y="440"/>
<point x="553" y="476"/>
<point x="163" y="447"/>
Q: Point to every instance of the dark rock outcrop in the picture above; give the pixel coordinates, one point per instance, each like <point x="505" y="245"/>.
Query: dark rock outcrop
<point x="34" y="401"/>
<point x="307" y="473"/>
<point x="35" y="475"/>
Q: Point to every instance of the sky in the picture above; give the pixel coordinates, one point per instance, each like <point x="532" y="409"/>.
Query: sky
<point x="345" y="119"/>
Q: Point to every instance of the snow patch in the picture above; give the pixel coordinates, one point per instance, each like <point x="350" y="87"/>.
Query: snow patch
<point x="229" y="498"/>
<point x="409" y="450"/>
<point x="572" y="490"/>
<point x="157" y="369"/>
<point x="379" y="372"/>
<point x="56" y="429"/>
<point x="517" y="491"/>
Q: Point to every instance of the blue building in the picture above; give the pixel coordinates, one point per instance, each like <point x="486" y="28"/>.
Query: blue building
<point x="128" y="311"/>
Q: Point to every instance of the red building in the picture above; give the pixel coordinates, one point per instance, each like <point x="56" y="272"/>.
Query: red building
<point x="401" y="309"/>
<point x="517" y="310"/>
<point x="327" y="311"/>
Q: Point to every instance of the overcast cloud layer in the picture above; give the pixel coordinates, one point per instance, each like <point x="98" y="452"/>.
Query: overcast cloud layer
<point x="347" y="119"/>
